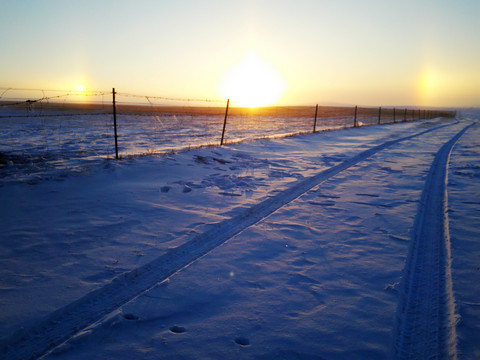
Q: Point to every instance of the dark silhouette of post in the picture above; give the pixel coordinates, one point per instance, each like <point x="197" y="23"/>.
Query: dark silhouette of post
<point x="315" y="122"/>
<point x="115" y="123"/>
<point x="224" y="122"/>
<point x="355" y="118"/>
<point x="394" y="115"/>
<point x="405" y="115"/>
<point x="379" y="114"/>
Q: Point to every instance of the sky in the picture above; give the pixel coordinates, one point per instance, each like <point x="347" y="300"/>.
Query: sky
<point x="371" y="53"/>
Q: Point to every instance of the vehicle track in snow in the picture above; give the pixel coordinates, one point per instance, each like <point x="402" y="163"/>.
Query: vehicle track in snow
<point x="70" y="320"/>
<point x="425" y="318"/>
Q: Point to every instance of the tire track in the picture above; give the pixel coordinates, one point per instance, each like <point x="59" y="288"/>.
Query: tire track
<point x="425" y="318"/>
<point x="64" y="323"/>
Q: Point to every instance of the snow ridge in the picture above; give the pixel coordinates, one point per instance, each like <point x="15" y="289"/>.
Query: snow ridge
<point x="64" y="323"/>
<point x="425" y="318"/>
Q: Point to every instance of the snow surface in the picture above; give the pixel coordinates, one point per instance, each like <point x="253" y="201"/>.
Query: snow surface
<point x="317" y="275"/>
<point x="41" y="141"/>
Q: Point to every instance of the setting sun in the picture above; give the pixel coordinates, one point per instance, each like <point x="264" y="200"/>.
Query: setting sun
<point x="80" y="87"/>
<point x="252" y="83"/>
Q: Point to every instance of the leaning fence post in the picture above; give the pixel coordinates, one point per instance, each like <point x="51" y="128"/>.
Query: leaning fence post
<point x="115" y="123"/>
<point x="355" y="118"/>
<point x="315" y="122"/>
<point x="379" y="114"/>
<point x="224" y="122"/>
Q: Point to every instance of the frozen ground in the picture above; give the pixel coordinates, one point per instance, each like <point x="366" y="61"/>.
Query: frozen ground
<point x="297" y="248"/>
<point x="35" y="143"/>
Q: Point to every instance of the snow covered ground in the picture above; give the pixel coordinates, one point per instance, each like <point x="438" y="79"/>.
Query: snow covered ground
<point x="291" y="248"/>
<point x="35" y="143"/>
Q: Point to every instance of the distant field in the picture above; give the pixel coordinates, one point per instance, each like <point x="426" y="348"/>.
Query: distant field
<point x="284" y="111"/>
<point x="368" y="115"/>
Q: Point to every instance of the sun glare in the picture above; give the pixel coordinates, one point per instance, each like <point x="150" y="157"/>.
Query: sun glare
<point x="252" y="83"/>
<point x="80" y="87"/>
<point x="429" y="86"/>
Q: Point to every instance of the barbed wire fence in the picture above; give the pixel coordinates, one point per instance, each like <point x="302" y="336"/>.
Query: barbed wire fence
<point x="53" y="125"/>
<point x="160" y="124"/>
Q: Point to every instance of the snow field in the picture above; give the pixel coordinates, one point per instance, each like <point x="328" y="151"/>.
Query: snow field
<point x="289" y="289"/>
<point x="74" y="234"/>
<point x="301" y="283"/>
<point x="35" y="144"/>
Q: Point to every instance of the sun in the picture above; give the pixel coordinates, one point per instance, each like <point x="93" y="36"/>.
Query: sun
<point x="80" y="88"/>
<point x="252" y="83"/>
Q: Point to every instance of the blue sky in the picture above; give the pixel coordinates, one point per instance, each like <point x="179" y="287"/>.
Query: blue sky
<point x="373" y="52"/>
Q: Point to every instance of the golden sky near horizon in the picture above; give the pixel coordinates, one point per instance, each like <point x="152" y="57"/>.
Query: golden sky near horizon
<point x="377" y="53"/>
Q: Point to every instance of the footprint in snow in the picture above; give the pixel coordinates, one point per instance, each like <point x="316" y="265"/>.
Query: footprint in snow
<point x="322" y="203"/>
<point x="130" y="317"/>
<point x="242" y="341"/>
<point x="165" y="189"/>
<point x="186" y="189"/>
<point x="229" y="194"/>
<point x="178" y="329"/>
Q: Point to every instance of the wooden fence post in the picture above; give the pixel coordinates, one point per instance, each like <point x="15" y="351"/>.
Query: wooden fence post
<point x="355" y="118"/>
<point x="224" y="122"/>
<point x="315" y="122"/>
<point x="394" y="115"/>
<point x="379" y="114"/>
<point x="115" y="123"/>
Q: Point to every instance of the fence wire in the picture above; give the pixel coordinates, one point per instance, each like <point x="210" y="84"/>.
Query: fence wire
<point x="41" y="130"/>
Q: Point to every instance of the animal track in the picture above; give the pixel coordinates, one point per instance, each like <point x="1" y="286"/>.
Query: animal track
<point x="242" y="341"/>
<point x="178" y="329"/>
<point x="130" y="317"/>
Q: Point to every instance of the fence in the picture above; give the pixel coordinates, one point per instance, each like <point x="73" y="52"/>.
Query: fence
<point x="64" y="126"/>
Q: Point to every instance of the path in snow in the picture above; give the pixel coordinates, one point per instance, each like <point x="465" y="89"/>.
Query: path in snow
<point x="425" y="326"/>
<point x="70" y="320"/>
<point x="464" y="224"/>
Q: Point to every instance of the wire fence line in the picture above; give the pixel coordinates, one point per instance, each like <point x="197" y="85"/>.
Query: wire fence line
<point x="63" y="126"/>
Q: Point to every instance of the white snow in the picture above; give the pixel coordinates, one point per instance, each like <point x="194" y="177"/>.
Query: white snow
<point x="315" y="276"/>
